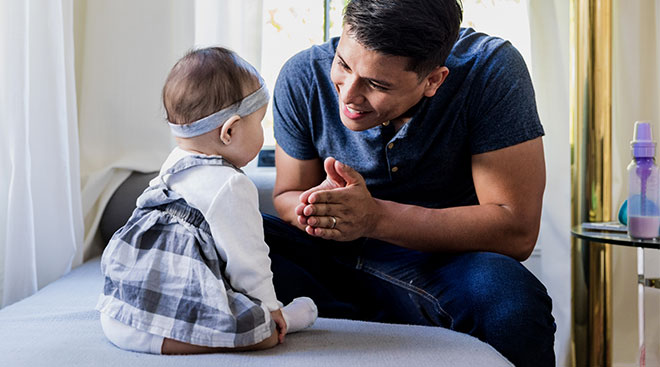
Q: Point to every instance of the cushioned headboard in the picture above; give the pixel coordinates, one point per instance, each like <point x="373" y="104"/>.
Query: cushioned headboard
<point x="122" y="203"/>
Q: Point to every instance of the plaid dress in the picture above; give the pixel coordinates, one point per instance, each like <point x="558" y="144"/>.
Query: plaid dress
<point x="164" y="276"/>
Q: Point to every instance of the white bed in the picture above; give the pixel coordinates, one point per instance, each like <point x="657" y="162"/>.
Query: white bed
<point x="58" y="326"/>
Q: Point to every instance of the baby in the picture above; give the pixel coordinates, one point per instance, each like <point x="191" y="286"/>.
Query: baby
<point x="189" y="272"/>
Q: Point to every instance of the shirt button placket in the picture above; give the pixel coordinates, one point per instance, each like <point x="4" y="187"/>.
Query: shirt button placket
<point x="394" y="169"/>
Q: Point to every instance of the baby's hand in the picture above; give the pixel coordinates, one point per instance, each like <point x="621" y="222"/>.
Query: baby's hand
<point x="281" y="324"/>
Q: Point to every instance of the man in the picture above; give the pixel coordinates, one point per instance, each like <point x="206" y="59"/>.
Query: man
<point x="410" y="176"/>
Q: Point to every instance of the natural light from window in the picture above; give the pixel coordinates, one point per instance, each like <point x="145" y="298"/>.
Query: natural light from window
<point x="288" y="27"/>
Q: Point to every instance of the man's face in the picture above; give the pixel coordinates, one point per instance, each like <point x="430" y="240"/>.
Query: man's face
<point x="373" y="87"/>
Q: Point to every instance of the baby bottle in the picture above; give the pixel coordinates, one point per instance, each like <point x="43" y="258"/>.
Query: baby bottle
<point x="643" y="190"/>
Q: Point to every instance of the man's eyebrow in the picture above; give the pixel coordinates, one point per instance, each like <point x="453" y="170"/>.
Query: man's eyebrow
<point x="376" y="81"/>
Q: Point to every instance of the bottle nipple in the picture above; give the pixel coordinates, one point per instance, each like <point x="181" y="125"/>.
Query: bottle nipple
<point x="642" y="144"/>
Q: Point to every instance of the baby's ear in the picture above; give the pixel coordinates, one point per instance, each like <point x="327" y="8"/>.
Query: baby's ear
<point x="225" y="130"/>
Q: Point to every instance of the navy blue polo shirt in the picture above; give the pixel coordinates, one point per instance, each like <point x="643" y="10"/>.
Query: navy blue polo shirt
<point x="486" y="103"/>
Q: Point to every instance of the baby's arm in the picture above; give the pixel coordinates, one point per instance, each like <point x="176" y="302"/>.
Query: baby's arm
<point x="237" y="228"/>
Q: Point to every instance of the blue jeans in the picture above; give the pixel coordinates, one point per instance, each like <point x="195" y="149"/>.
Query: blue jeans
<point x="489" y="296"/>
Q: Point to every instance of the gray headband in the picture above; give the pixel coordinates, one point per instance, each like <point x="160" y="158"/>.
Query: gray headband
<point x="244" y="107"/>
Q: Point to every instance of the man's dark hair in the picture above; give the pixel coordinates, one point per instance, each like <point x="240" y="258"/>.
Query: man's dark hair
<point x="422" y="30"/>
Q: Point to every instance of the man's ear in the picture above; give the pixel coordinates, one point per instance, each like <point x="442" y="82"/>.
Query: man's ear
<point x="225" y="130"/>
<point x="434" y="80"/>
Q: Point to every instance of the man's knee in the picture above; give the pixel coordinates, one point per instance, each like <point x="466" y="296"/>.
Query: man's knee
<point x="505" y="290"/>
<point x="490" y="277"/>
<point x="512" y="309"/>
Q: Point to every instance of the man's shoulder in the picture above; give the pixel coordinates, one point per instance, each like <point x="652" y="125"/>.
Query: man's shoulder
<point x="474" y="47"/>
<point x="478" y="58"/>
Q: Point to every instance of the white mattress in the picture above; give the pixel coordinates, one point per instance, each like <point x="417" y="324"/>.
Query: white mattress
<point x="59" y="327"/>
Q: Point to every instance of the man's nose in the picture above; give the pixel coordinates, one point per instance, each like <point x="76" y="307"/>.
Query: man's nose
<point x="351" y="92"/>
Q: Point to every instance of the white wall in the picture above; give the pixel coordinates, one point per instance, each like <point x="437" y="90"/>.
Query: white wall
<point x="549" y="25"/>
<point x="124" y="51"/>
<point x="635" y="97"/>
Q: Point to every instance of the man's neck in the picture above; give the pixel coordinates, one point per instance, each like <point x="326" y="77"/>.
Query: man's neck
<point x="406" y="116"/>
<point x="399" y="122"/>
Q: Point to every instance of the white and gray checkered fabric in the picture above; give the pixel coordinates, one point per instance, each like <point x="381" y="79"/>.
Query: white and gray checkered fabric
<point x="163" y="275"/>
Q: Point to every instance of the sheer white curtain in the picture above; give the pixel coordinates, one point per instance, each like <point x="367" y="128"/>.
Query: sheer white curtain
<point x="549" y="30"/>
<point x="236" y="25"/>
<point x="41" y="226"/>
<point x="124" y="50"/>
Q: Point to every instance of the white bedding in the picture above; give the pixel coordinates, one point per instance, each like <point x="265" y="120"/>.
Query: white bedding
<point x="59" y="327"/>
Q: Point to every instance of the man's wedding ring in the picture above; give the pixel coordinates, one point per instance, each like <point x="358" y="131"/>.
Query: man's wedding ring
<point x="334" y="222"/>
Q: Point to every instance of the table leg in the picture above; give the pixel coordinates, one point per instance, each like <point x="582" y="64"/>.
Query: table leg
<point x="648" y="285"/>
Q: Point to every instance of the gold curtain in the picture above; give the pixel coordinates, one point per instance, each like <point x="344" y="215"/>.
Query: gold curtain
<point x="591" y="177"/>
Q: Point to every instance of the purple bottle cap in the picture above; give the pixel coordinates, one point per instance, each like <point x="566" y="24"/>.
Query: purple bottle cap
<point x="642" y="144"/>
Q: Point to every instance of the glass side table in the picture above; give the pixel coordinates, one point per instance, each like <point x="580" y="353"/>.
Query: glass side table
<point x="648" y="281"/>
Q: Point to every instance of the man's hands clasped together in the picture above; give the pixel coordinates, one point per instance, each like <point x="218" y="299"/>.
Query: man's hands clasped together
<point x="341" y="207"/>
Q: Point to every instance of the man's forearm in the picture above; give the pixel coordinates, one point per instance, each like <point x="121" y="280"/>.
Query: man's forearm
<point x="488" y="227"/>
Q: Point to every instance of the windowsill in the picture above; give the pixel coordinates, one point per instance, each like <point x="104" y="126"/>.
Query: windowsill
<point x="263" y="162"/>
<point x="265" y="159"/>
<point x="261" y="171"/>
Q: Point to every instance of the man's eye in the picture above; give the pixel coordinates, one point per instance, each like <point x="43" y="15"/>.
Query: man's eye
<point x="376" y="86"/>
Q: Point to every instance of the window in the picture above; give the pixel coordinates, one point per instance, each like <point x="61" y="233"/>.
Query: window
<point x="289" y="28"/>
<point x="269" y="32"/>
<point x="487" y="16"/>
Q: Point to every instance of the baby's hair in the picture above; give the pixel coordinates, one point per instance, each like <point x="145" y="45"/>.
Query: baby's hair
<point x="203" y="82"/>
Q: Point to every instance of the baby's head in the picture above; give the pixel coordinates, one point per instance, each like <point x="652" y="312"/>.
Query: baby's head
<point x="215" y="102"/>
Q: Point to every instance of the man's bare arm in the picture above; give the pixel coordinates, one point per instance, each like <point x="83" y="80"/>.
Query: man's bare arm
<point x="509" y="183"/>
<point x="292" y="178"/>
